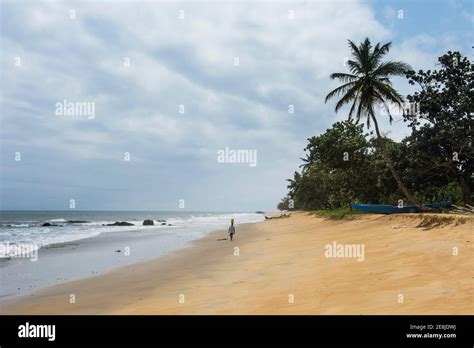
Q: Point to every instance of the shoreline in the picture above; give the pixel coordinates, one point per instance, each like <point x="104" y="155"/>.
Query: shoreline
<point x="279" y="258"/>
<point x="166" y="260"/>
<point x="104" y="253"/>
<point x="60" y="262"/>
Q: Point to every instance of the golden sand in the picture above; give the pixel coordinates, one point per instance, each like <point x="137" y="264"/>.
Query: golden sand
<point x="280" y="267"/>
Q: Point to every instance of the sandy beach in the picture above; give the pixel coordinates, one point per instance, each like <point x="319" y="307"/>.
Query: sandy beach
<point x="280" y="267"/>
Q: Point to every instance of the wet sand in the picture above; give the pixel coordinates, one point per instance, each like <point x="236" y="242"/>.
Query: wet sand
<point x="281" y="267"/>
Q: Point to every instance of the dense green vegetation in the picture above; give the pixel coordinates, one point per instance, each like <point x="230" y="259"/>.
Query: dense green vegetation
<point x="367" y="87"/>
<point x="346" y="164"/>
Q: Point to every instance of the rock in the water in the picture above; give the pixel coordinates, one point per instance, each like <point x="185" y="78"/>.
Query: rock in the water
<point x="121" y="223"/>
<point x="47" y="224"/>
<point x="163" y="224"/>
<point x="148" y="223"/>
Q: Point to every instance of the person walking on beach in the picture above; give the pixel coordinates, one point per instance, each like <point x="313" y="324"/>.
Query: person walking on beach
<point x="231" y="229"/>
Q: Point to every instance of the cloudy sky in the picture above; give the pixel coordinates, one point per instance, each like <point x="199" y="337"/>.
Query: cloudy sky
<point x="234" y="68"/>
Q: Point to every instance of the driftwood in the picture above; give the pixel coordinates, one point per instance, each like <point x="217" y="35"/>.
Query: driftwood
<point x="470" y="209"/>
<point x="278" y="217"/>
<point x="462" y="210"/>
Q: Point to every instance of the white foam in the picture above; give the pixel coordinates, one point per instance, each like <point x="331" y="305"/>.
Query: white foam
<point x="193" y="225"/>
<point x="16" y="225"/>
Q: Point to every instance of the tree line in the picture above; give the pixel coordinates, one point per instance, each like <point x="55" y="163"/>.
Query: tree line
<point x="347" y="164"/>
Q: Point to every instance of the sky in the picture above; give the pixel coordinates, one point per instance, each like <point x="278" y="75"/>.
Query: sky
<point x="169" y="85"/>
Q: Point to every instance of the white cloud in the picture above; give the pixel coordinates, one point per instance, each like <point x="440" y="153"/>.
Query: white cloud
<point x="183" y="61"/>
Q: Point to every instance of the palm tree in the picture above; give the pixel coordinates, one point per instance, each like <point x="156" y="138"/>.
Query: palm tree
<point x="367" y="86"/>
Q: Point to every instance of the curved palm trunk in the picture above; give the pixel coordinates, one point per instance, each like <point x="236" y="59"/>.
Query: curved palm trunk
<point x="389" y="163"/>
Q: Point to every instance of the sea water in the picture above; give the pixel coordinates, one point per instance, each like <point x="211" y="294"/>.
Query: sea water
<point x="80" y="244"/>
<point x="21" y="231"/>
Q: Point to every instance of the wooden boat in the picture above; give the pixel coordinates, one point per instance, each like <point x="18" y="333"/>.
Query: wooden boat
<point x="393" y="209"/>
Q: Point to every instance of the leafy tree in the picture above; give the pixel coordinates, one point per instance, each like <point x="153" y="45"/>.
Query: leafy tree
<point x="368" y="86"/>
<point x="428" y="181"/>
<point x="442" y="121"/>
<point x="288" y="203"/>
<point x="342" y="165"/>
<point x="342" y="152"/>
<point x="384" y="190"/>
<point x="337" y="169"/>
<point x="311" y="189"/>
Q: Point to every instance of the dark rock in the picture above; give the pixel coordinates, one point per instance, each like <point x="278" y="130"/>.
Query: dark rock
<point x="47" y="224"/>
<point x="76" y="222"/>
<point x="121" y="223"/>
<point x="169" y="224"/>
<point x="163" y="224"/>
<point x="118" y="251"/>
<point x="148" y="223"/>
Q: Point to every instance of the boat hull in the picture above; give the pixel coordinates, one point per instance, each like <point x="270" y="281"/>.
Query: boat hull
<point x="391" y="209"/>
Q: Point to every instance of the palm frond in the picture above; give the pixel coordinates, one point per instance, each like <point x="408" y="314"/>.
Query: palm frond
<point x="355" y="67"/>
<point x="389" y="93"/>
<point x="390" y="68"/>
<point x="355" y="50"/>
<point x="343" y="77"/>
<point x="348" y="97"/>
<point x="384" y="104"/>
<point x="364" y="48"/>
<point x="339" y="90"/>
<point x="368" y="81"/>
<point x="354" y="105"/>
<point x="379" y="52"/>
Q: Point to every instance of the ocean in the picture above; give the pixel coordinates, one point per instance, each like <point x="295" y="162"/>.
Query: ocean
<point x="21" y="231"/>
<point x="79" y="244"/>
